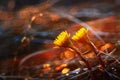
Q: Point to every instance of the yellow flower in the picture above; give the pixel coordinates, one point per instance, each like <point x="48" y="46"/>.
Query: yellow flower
<point x="80" y="34"/>
<point x="62" y="38"/>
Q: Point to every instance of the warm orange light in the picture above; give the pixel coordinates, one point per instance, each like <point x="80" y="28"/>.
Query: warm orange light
<point x="26" y="79"/>
<point x="90" y="55"/>
<point x="41" y="14"/>
<point x="65" y="70"/>
<point x="106" y="46"/>
<point x="29" y="26"/>
<point x="46" y="65"/>
<point x="64" y="65"/>
<point x="54" y="17"/>
<point x="67" y="55"/>
<point x="60" y="67"/>
<point x="33" y="18"/>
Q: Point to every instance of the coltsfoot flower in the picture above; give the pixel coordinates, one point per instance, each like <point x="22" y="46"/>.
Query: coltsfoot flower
<point x="62" y="39"/>
<point x="80" y="34"/>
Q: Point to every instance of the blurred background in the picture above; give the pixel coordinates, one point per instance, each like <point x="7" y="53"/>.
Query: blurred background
<point x="28" y="26"/>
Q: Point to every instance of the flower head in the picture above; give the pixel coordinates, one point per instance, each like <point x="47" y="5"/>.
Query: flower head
<point x="80" y="34"/>
<point x="62" y="39"/>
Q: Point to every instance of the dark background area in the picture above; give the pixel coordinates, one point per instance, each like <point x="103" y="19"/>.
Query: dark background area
<point x="21" y="3"/>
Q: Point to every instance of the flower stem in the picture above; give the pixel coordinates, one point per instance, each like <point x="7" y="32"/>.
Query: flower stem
<point x="81" y="57"/>
<point x="91" y="44"/>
